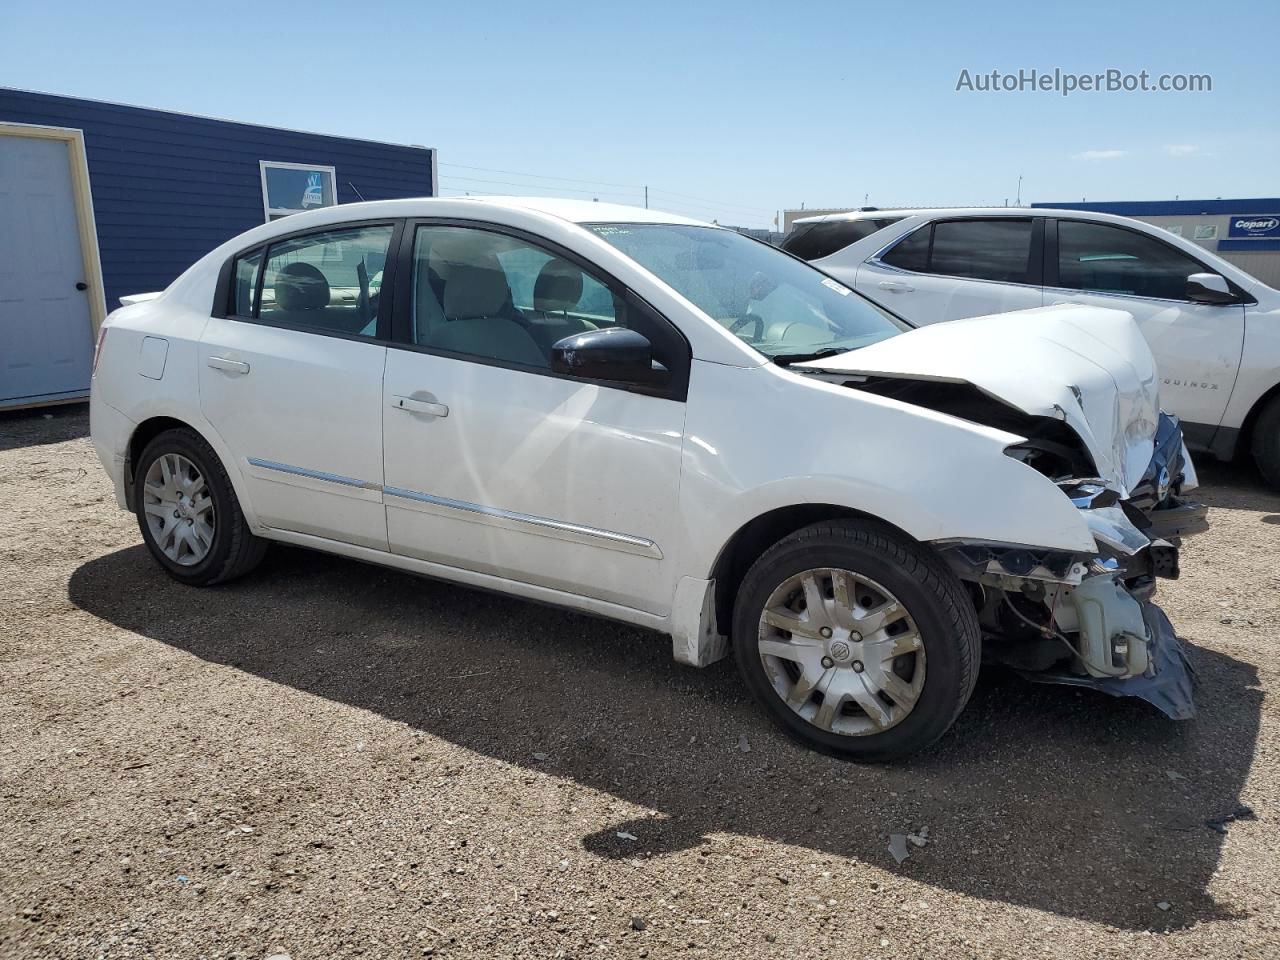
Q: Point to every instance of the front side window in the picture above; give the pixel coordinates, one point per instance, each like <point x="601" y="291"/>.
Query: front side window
<point x="500" y="298"/>
<point x="330" y="281"/>
<point x="1107" y="259"/>
<point x="781" y="306"/>
<point x="994" y="249"/>
<point x="294" y="187"/>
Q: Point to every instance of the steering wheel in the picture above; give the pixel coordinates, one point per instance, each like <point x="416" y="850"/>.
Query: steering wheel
<point x="752" y="318"/>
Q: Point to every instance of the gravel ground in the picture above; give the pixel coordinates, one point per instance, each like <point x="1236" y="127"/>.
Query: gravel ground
<point x="328" y="759"/>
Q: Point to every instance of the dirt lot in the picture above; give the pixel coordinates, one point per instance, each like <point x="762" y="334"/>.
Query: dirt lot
<point x="330" y="760"/>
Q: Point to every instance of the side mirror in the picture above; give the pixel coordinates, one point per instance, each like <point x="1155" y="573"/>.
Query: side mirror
<point x="1209" y="288"/>
<point x="614" y="353"/>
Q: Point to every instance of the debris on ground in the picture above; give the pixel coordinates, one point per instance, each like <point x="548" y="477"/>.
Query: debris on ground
<point x="743" y="744"/>
<point x="1164" y="905"/>
<point x="898" y="846"/>
<point x="1241" y="812"/>
<point x="541" y="757"/>
<point x="920" y="838"/>
<point x="638" y="923"/>
<point x="1174" y="775"/>
<point x="624" y="835"/>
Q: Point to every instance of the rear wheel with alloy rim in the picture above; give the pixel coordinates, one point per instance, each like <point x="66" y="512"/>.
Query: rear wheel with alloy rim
<point x="857" y="640"/>
<point x="188" y="512"/>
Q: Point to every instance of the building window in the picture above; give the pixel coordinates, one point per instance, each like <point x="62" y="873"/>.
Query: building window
<point x="1175" y="229"/>
<point x="1207" y="231"/>
<point x="294" y="187"/>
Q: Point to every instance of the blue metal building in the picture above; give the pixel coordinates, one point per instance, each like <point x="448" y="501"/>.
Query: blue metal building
<point x="100" y="200"/>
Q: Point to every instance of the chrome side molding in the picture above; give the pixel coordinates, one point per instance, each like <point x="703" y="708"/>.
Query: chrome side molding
<point x="314" y="474"/>
<point x="559" y="529"/>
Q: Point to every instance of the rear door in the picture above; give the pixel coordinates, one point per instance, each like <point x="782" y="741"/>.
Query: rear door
<point x="291" y="379"/>
<point x="952" y="269"/>
<point x="1196" y="345"/>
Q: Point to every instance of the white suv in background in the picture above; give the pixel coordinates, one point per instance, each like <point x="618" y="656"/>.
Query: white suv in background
<point x="1214" y="329"/>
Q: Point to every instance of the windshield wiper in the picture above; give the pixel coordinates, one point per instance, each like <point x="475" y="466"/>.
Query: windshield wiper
<point x="786" y="359"/>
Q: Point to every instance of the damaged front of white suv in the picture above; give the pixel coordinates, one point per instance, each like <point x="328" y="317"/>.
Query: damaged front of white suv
<point x="1079" y="386"/>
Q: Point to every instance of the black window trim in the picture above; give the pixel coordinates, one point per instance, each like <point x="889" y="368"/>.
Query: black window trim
<point x="1052" y="268"/>
<point x="224" y="289"/>
<point x="676" y="388"/>
<point x="1034" y="262"/>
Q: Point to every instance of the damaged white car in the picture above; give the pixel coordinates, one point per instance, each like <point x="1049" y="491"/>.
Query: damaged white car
<point x="664" y="423"/>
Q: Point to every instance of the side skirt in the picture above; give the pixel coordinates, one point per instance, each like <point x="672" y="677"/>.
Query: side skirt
<point x="481" y="581"/>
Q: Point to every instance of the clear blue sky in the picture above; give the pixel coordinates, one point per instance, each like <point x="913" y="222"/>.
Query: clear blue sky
<point x="753" y="107"/>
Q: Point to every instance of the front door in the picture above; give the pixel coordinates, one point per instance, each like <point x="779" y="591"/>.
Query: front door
<point x="953" y="269"/>
<point x="46" y="337"/>
<point x="1196" y="345"/>
<point x="291" y="379"/>
<point x="497" y="465"/>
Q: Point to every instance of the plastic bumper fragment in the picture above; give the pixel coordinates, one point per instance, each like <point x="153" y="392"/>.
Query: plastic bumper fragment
<point x="1169" y="682"/>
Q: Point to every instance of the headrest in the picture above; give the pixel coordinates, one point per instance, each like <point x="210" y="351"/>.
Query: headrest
<point x="301" y="286"/>
<point x="558" y="287"/>
<point x="472" y="291"/>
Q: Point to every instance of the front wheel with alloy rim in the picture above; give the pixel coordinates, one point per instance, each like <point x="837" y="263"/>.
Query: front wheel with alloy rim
<point x="188" y="512"/>
<point x="857" y="640"/>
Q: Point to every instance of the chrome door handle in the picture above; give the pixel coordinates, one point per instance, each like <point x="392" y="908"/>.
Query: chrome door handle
<point x="896" y="286"/>
<point x="238" y="367"/>
<point x="420" y="406"/>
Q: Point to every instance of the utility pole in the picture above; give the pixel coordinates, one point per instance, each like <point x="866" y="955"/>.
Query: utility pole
<point x="1018" y="202"/>
<point x="646" y="197"/>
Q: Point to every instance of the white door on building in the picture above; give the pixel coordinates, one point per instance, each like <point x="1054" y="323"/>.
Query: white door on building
<point x="46" y="337"/>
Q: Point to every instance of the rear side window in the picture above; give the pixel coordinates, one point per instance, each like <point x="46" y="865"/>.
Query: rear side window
<point x="911" y="252"/>
<point x="1097" y="256"/>
<point x="330" y="281"/>
<point x="246" y="284"/>
<point x="813" y="241"/>
<point x="996" y="249"/>
<point x="982" y="249"/>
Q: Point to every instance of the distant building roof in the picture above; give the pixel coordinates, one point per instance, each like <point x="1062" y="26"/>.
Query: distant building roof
<point x="1173" y="208"/>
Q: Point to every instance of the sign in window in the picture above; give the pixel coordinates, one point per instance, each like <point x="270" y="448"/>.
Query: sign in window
<point x="294" y="187"/>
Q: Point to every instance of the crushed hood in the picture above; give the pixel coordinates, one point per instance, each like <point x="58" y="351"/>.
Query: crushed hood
<point x="1087" y="366"/>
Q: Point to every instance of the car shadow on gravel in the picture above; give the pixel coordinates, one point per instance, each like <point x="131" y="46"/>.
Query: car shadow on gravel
<point x="1066" y="801"/>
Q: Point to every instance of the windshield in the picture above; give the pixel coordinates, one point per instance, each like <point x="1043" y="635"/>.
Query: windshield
<point x="781" y="306"/>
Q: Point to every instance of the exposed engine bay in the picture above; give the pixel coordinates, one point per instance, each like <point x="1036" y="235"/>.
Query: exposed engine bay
<point x="1090" y="422"/>
<point x="1080" y="619"/>
<point x="1074" y="618"/>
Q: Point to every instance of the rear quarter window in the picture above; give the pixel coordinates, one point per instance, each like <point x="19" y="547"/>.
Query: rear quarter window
<point x="813" y="241"/>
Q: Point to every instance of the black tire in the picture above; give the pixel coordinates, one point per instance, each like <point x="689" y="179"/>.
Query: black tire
<point x="1266" y="442"/>
<point x="931" y="593"/>
<point x="234" y="551"/>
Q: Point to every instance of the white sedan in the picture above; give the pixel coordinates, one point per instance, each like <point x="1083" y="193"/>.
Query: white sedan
<point x="668" y="424"/>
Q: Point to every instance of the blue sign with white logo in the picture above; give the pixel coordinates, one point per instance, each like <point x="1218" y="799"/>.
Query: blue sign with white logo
<point x="1254" y="226"/>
